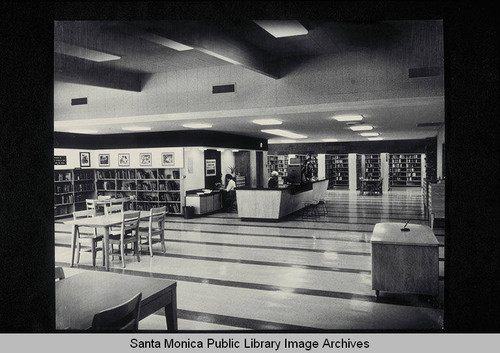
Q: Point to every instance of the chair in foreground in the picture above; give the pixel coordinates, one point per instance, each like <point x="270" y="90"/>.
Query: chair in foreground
<point x="59" y="273"/>
<point x="123" y="317"/>
<point x="129" y="234"/>
<point x="156" y="226"/>
<point x="87" y="236"/>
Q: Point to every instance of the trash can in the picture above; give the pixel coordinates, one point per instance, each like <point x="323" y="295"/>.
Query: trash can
<point x="188" y="212"/>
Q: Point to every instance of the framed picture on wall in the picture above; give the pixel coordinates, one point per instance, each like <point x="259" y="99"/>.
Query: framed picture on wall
<point x="210" y="167"/>
<point x="167" y="158"/>
<point x="123" y="159"/>
<point x="145" y="159"/>
<point x="104" y="160"/>
<point x="84" y="159"/>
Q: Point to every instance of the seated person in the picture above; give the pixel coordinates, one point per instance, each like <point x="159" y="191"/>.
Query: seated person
<point x="273" y="180"/>
<point x="229" y="194"/>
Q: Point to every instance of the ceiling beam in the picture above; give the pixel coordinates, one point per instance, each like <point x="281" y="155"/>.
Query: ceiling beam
<point x="84" y="72"/>
<point x="207" y="38"/>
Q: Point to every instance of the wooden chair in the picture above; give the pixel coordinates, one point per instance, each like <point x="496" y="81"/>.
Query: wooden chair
<point x="110" y="209"/>
<point x="59" y="272"/>
<point x="88" y="236"/>
<point x="123" y="317"/>
<point x="129" y="234"/>
<point x="156" y="226"/>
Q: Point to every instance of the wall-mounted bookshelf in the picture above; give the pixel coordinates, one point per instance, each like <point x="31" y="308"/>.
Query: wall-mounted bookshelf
<point x="405" y="169"/>
<point x="147" y="187"/>
<point x="63" y="193"/>
<point x="84" y="187"/>
<point x="337" y="170"/>
<point x="372" y="166"/>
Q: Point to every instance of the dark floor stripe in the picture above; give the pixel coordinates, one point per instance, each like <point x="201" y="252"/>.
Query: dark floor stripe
<point x="240" y="322"/>
<point x="393" y="299"/>
<point x="249" y="262"/>
<point x="356" y="253"/>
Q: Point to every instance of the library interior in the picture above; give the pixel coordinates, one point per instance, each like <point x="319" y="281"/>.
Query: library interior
<point x="239" y="175"/>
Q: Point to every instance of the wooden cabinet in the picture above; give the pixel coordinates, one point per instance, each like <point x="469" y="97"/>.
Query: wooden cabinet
<point x="404" y="262"/>
<point x="205" y="203"/>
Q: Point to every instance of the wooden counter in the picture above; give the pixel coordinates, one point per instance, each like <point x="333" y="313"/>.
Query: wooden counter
<point x="205" y="203"/>
<point x="274" y="204"/>
<point x="404" y="262"/>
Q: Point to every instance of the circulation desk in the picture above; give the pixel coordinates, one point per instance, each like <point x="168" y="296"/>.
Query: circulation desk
<point x="274" y="204"/>
<point x="404" y="262"/>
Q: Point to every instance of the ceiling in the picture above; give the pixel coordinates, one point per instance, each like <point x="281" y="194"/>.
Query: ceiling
<point x="245" y="44"/>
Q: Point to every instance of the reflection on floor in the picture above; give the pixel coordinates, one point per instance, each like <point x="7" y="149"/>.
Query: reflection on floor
<point x="298" y="274"/>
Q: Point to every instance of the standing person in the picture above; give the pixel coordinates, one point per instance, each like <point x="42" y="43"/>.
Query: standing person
<point x="229" y="194"/>
<point x="273" y="180"/>
<point x="230" y="183"/>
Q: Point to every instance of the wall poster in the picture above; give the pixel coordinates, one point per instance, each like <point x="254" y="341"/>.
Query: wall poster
<point x="210" y="167"/>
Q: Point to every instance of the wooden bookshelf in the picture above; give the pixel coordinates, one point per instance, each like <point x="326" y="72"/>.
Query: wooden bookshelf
<point x="146" y="187"/>
<point x="372" y="166"/>
<point x="63" y="193"/>
<point x="84" y="187"/>
<point x="405" y="169"/>
<point x="337" y="170"/>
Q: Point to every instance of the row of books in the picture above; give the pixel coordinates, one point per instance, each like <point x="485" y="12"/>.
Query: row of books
<point x="60" y="188"/>
<point x="63" y="199"/>
<point x="63" y="176"/>
<point x="84" y="187"/>
<point x="84" y="175"/>
<point x="170" y="197"/>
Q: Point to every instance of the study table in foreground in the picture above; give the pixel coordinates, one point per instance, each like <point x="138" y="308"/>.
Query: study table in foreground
<point x="80" y="297"/>
<point x="105" y="222"/>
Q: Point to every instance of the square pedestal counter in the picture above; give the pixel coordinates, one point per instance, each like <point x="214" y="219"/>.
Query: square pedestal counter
<point x="404" y="261"/>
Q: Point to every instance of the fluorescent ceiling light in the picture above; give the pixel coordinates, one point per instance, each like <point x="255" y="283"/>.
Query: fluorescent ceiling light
<point x="355" y="117"/>
<point x="284" y="133"/>
<point x="83" y="53"/>
<point x="272" y="142"/>
<point x="375" y="138"/>
<point x="136" y="128"/>
<point x="235" y="150"/>
<point x="366" y="134"/>
<point x="279" y="28"/>
<point x="83" y="131"/>
<point x="197" y="125"/>
<point x="164" y="41"/>
<point x="330" y="140"/>
<point x="267" y="122"/>
<point x="360" y="127"/>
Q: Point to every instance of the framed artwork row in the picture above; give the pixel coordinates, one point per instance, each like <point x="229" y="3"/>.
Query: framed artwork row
<point x="145" y="159"/>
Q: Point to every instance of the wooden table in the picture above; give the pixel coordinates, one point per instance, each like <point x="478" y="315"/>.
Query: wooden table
<point x="105" y="222"/>
<point x="80" y="297"/>
<point x="404" y="262"/>
<point x="372" y="185"/>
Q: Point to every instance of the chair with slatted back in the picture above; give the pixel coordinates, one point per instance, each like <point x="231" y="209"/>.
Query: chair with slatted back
<point x="129" y="234"/>
<point x="59" y="273"/>
<point x="87" y="235"/>
<point x="123" y="317"/>
<point x="156" y="227"/>
<point x="111" y="209"/>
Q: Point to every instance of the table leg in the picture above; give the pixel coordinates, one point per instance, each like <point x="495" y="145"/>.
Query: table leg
<point x="73" y="244"/>
<point x="106" y="247"/>
<point x="171" y="312"/>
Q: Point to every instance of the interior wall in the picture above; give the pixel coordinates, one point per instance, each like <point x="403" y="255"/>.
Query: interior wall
<point x="134" y="157"/>
<point x="194" y="168"/>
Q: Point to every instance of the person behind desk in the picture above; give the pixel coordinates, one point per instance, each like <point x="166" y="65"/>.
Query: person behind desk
<point x="229" y="194"/>
<point x="273" y="180"/>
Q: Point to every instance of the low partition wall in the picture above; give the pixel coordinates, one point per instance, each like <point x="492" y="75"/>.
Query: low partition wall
<point x="274" y="204"/>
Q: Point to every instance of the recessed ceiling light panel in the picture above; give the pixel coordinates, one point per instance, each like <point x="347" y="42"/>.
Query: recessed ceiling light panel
<point x="279" y="29"/>
<point x="369" y="134"/>
<point x="267" y="122"/>
<point x="136" y="128"/>
<point x="197" y="125"/>
<point x="349" y="117"/>
<point x="375" y="138"/>
<point x="83" y="53"/>
<point x="330" y="140"/>
<point x="151" y="37"/>
<point x="284" y="133"/>
<point x="83" y="131"/>
<point x="361" y="127"/>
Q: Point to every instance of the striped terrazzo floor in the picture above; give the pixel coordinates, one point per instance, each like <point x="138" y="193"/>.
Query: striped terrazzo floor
<point x="295" y="275"/>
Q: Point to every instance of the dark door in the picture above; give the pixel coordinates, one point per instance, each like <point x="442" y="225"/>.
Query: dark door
<point x="212" y="168"/>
